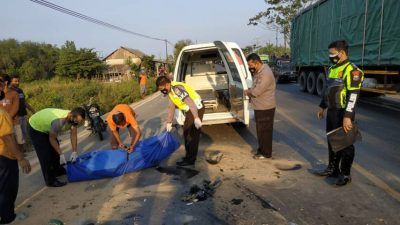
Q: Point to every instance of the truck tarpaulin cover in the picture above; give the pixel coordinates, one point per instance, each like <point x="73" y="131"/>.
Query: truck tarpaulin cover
<point x="371" y="27"/>
<point x="112" y="163"/>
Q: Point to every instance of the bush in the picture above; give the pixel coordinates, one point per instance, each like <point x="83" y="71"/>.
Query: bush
<point x="67" y="94"/>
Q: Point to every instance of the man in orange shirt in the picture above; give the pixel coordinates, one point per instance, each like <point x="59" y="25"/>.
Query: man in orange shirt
<point x="142" y="83"/>
<point x="120" y="117"/>
<point x="10" y="157"/>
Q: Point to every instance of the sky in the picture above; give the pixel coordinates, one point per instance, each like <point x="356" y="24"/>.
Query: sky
<point x="200" y="21"/>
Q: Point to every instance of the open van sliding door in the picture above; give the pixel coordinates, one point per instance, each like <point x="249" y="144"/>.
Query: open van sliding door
<point x="236" y="69"/>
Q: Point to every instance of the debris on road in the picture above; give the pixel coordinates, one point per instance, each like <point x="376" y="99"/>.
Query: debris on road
<point x="214" y="157"/>
<point x="200" y="194"/>
<point x="55" y="222"/>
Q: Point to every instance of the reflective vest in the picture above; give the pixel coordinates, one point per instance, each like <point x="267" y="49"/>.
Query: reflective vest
<point x="342" y="78"/>
<point x="41" y="121"/>
<point x="177" y="100"/>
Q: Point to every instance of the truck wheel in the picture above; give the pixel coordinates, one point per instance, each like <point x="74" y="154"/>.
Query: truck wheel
<point x="321" y="84"/>
<point x="311" y="83"/>
<point x="303" y="81"/>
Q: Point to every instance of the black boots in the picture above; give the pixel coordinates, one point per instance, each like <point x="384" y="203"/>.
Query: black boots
<point x="343" y="180"/>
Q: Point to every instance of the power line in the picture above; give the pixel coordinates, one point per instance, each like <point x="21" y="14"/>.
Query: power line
<point x="95" y="21"/>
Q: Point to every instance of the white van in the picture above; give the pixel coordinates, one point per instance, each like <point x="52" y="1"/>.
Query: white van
<point x="219" y="73"/>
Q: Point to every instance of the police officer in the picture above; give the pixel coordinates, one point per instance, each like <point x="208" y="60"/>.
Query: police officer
<point x="185" y="98"/>
<point x="340" y="99"/>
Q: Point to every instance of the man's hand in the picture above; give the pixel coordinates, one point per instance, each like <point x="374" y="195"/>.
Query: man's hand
<point x="347" y="124"/>
<point x="130" y="149"/>
<point x="320" y="114"/>
<point x="122" y="146"/>
<point x="62" y="159"/>
<point x="74" y="156"/>
<point x="169" y="127"/>
<point x="248" y="93"/>
<point x="25" y="165"/>
<point x="197" y="123"/>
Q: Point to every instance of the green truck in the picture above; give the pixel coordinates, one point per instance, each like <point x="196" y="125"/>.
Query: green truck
<point x="372" y="29"/>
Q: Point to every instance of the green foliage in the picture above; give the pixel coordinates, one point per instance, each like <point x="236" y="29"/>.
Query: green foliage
<point x="133" y="66"/>
<point x="279" y="13"/>
<point x="31" y="60"/>
<point x="271" y="49"/>
<point x="148" y="63"/>
<point x="180" y="45"/>
<point x="66" y="93"/>
<point x="82" y="63"/>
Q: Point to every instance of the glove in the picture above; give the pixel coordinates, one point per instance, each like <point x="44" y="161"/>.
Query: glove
<point x="197" y="123"/>
<point x="62" y="159"/>
<point x="74" y="156"/>
<point x="169" y="127"/>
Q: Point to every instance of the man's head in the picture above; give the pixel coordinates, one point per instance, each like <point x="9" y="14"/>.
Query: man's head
<point x="119" y="118"/>
<point x="338" y="51"/>
<point x="77" y="115"/>
<point x="163" y="84"/>
<point x="254" y="62"/>
<point x="14" y="81"/>
<point x="2" y="84"/>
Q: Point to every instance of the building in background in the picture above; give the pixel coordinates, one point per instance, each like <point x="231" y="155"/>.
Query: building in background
<point x="118" y="68"/>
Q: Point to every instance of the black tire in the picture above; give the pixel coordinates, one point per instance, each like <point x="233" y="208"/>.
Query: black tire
<point x="311" y="83"/>
<point x="99" y="131"/>
<point x="321" y="84"/>
<point x="302" y="80"/>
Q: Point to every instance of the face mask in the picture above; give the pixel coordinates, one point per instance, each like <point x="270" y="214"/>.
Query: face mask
<point x="164" y="91"/>
<point x="334" y="58"/>
<point x="252" y="70"/>
<point x="73" y="123"/>
<point x="2" y="95"/>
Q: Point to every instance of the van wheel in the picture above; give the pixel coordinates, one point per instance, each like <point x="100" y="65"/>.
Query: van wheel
<point x="311" y="83"/>
<point x="302" y="81"/>
<point x="321" y="84"/>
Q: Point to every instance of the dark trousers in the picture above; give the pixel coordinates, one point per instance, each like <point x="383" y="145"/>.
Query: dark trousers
<point x="9" y="176"/>
<point x="265" y="126"/>
<point x="192" y="135"/>
<point x="49" y="159"/>
<point x="343" y="158"/>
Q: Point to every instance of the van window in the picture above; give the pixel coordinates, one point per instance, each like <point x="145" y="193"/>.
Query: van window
<point x="231" y="65"/>
<point x="208" y="67"/>
<point x="240" y="60"/>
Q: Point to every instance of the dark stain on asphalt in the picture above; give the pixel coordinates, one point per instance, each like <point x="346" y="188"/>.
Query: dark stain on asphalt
<point x="236" y="201"/>
<point x="182" y="172"/>
<point x="254" y="196"/>
<point x="288" y="167"/>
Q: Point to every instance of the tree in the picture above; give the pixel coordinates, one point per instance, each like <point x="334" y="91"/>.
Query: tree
<point x="180" y="45"/>
<point x="133" y="66"/>
<point x="74" y="63"/>
<point x="148" y="63"/>
<point x="279" y="14"/>
<point x="271" y="49"/>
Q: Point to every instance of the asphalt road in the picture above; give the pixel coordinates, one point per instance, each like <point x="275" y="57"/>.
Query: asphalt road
<point x="278" y="191"/>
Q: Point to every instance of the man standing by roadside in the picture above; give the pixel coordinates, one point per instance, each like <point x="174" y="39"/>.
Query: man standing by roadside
<point x="23" y="106"/>
<point x="185" y="98"/>
<point x="123" y="116"/>
<point x="10" y="157"/>
<point x="262" y="97"/>
<point x="44" y="128"/>
<point x="10" y="104"/>
<point x="142" y="83"/>
<point x="340" y="98"/>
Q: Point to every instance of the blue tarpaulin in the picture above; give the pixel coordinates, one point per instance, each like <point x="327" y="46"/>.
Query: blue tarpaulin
<point x="112" y="163"/>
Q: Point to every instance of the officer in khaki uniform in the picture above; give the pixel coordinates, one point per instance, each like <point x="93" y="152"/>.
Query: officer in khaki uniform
<point x="340" y="98"/>
<point x="185" y="98"/>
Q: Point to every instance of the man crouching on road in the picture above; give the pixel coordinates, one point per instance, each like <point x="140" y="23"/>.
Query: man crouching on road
<point x="262" y="97"/>
<point x="44" y="127"/>
<point x="10" y="157"/>
<point x="120" y="117"/>
<point x="183" y="97"/>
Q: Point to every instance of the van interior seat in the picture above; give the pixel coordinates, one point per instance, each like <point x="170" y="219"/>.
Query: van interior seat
<point x="208" y="81"/>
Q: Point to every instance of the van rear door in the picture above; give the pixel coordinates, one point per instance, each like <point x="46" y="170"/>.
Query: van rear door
<point x="237" y="73"/>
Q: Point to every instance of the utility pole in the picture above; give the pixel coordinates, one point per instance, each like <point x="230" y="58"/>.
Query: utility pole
<point x="166" y="50"/>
